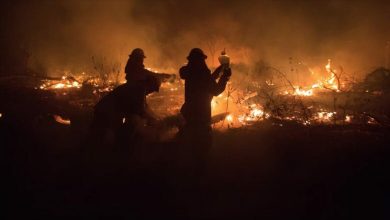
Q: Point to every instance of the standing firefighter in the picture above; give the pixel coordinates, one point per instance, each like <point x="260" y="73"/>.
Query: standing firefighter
<point x="200" y="87"/>
<point x="119" y="117"/>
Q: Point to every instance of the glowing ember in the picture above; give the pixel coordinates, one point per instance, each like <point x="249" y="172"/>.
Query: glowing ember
<point x="348" y="118"/>
<point x="229" y="118"/>
<point x="255" y="114"/>
<point x="327" y="66"/>
<point x="299" y="91"/>
<point x="324" y="116"/>
<point x="372" y="121"/>
<point x="61" y="120"/>
<point x="270" y="83"/>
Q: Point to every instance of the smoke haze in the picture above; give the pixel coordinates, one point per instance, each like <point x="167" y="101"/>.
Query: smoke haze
<point x="64" y="35"/>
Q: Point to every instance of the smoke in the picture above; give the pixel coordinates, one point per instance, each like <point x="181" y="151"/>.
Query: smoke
<point x="64" y="35"/>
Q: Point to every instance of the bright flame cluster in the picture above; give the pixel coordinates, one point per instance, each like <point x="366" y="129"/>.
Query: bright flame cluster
<point x="329" y="83"/>
<point x="255" y="113"/>
<point x="324" y="116"/>
<point x="64" y="83"/>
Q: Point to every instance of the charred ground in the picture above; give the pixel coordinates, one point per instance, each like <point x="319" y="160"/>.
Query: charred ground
<point x="270" y="169"/>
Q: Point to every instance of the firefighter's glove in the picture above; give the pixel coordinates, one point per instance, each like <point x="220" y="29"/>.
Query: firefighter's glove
<point x="227" y="72"/>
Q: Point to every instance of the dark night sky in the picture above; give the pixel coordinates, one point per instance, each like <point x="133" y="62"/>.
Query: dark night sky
<point x="65" y="34"/>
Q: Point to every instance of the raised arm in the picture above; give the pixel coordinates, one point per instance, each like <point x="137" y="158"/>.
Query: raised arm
<point x="216" y="73"/>
<point x="162" y="77"/>
<point x="217" y="88"/>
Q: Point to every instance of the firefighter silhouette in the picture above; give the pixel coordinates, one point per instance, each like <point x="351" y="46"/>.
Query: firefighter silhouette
<point x="124" y="111"/>
<point x="200" y="87"/>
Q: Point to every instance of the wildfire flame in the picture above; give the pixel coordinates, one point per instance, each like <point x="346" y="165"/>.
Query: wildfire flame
<point x="348" y="118"/>
<point x="229" y="118"/>
<point x="64" y="83"/>
<point x="332" y="80"/>
<point x="241" y="107"/>
<point x="329" y="83"/>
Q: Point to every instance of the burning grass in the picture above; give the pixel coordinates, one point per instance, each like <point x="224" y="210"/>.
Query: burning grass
<point x="328" y="100"/>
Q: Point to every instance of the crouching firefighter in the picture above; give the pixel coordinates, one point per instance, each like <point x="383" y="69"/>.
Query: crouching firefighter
<point x="121" y="116"/>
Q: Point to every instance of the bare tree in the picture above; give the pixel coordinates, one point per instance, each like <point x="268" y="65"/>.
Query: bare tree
<point x="211" y="43"/>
